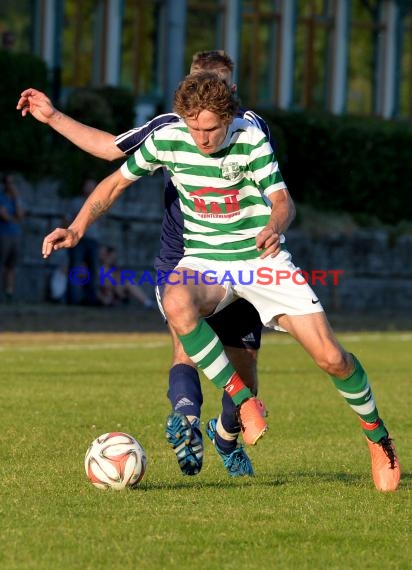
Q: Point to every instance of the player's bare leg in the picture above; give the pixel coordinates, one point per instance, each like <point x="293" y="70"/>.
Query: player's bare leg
<point x="185" y="395"/>
<point x="314" y="333"/>
<point x="184" y="306"/>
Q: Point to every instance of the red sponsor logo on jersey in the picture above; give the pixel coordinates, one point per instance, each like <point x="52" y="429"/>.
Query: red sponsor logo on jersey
<point x="207" y="206"/>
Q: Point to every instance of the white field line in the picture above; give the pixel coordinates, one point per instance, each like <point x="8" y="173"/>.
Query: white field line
<point x="267" y="340"/>
<point x="283" y="338"/>
<point x="97" y="346"/>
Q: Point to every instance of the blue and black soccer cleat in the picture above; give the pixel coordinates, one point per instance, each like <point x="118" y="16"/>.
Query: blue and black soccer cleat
<point x="237" y="463"/>
<point x="186" y="440"/>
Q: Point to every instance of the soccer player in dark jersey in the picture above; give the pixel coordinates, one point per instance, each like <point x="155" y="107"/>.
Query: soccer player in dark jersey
<point x="238" y="326"/>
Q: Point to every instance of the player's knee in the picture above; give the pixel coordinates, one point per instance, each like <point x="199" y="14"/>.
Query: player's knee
<point x="173" y="304"/>
<point x="180" y="311"/>
<point x="334" y="362"/>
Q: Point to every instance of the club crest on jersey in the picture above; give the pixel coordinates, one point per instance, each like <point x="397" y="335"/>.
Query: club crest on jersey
<point x="230" y="171"/>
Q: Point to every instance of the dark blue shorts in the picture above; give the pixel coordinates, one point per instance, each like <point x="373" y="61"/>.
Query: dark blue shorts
<point x="238" y="325"/>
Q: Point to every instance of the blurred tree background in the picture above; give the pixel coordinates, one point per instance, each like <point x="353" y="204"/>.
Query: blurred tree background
<point x="24" y="143"/>
<point x="354" y="162"/>
<point x="33" y="150"/>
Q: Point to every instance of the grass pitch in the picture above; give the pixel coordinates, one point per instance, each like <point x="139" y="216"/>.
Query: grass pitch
<point x="312" y="503"/>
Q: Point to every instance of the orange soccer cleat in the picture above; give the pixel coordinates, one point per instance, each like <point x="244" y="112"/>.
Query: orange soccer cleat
<point x="252" y="421"/>
<point x="386" y="472"/>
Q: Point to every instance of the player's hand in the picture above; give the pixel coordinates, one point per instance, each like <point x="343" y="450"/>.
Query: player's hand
<point x="37" y="104"/>
<point x="269" y="241"/>
<point x="59" y="239"/>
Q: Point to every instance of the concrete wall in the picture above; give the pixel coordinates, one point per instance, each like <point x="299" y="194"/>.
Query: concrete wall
<point x="376" y="269"/>
<point x="132" y="226"/>
<point x="376" y="266"/>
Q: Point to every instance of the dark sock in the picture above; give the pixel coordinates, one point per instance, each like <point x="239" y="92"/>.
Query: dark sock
<point x="230" y="423"/>
<point x="225" y="445"/>
<point x="229" y="416"/>
<point x="185" y="392"/>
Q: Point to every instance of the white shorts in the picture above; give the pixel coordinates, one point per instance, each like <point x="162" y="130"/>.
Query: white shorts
<point x="274" y="285"/>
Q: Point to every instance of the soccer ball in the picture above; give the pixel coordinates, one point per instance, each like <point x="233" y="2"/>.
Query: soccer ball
<point x="115" y="460"/>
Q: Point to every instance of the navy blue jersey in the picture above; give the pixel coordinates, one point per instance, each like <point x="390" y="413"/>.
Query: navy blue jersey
<point x="171" y="236"/>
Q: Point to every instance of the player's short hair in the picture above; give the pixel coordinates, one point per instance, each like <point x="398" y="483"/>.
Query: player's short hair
<point x="205" y="91"/>
<point x="213" y="60"/>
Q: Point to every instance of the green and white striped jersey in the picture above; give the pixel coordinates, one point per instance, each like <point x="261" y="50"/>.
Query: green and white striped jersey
<point x="223" y="196"/>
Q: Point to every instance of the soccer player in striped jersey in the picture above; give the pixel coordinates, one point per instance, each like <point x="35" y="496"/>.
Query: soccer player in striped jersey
<point x="223" y="168"/>
<point x="238" y="325"/>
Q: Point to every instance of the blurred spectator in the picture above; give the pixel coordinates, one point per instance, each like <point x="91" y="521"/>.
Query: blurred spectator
<point x="59" y="277"/>
<point x="85" y="254"/>
<point x="111" y="294"/>
<point x="11" y="216"/>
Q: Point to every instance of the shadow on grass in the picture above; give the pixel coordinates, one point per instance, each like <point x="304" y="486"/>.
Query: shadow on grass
<point x="196" y="484"/>
<point x="406" y="481"/>
<point x="348" y="479"/>
<point x="291" y="479"/>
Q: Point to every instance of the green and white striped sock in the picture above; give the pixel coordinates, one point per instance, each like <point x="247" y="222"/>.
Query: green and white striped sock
<point x="203" y="346"/>
<point x="358" y="394"/>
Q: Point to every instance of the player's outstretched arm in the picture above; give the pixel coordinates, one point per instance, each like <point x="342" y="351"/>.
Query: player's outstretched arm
<point x="94" y="141"/>
<point x="99" y="201"/>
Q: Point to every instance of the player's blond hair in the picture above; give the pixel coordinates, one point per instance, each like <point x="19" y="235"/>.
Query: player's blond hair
<point x="205" y="91"/>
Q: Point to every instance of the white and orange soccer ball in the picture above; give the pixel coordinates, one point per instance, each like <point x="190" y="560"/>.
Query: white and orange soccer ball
<point x="115" y="460"/>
